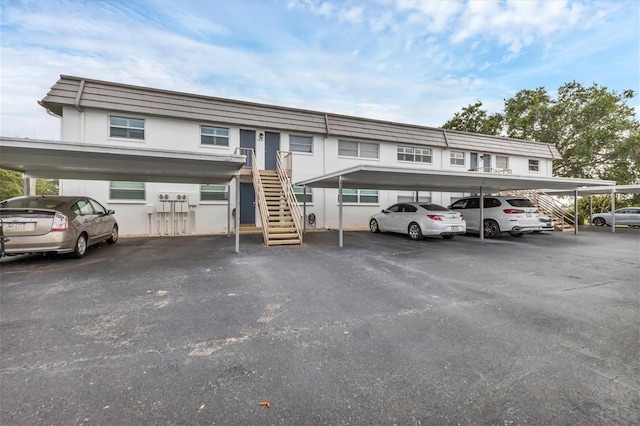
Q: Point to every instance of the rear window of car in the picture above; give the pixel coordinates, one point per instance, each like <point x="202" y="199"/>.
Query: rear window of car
<point x="520" y="202"/>
<point x="434" y="207"/>
<point x="38" y="203"/>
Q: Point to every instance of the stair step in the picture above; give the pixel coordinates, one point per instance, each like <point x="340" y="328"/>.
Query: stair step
<point x="283" y="242"/>
<point x="288" y="235"/>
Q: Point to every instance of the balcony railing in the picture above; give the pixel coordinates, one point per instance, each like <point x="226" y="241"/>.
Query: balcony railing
<point x="490" y="170"/>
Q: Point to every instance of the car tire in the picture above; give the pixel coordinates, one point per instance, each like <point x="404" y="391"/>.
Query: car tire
<point x="491" y="228"/>
<point x="114" y="235"/>
<point x="373" y="226"/>
<point x="415" y="232"/>
<point x="81" y="246"/>
<point x="448" y="237"/>
<point x="598" y="221"/>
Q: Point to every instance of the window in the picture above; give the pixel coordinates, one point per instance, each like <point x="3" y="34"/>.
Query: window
<point x="360" y="196"/>
<point x="409" y="196"/>
<point x="414" y="154"/>
<point x="300" y="143"/>
<point x="300" y="195"/>
<point x="457" y="158"/>
<point x="128" y="128"/>
<point x="214" y="192"/>
<point x="127" y="191"/>
<point x="534" y="166"/>
<point x="358" y="149"/>
<point x="502" y="162"/>
<point x="218" y="136"/>
<point x="82" y="208"/>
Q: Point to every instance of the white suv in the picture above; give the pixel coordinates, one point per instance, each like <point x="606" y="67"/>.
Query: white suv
<point x="515" y="215"/>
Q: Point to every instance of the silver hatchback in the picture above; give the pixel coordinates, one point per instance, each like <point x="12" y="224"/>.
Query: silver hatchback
<point x="54" y="224"/>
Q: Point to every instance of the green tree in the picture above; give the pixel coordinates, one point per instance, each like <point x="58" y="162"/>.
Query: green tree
<point x="593" y="128"/>
<point x="10" y="184"/>
<point x="476" y="120"/>
<point x="47" y="187"/>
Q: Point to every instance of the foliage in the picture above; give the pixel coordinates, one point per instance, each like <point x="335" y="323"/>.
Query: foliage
<point x="593" y="128"/>
<point x="11" y="185"/>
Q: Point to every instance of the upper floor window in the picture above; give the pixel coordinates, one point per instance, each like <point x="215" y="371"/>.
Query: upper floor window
<point x="300" y="143"/>
<point x="358" y="149"/>
<point x="300" y="195"/>
<point x="534" y="165"/>
<point x="127" y="191"/>
<point x="360" y="196"/>
<point x="414" y="154"/>
<point x="126" y="127"/>
<point x="502" y="162"/>
<point x="457" y="158"/>
<point x="214" y="136"/>
<point x="214" y="192"/>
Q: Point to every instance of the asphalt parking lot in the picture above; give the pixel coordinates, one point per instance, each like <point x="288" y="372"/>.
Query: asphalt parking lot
<point x="543" y="329"/>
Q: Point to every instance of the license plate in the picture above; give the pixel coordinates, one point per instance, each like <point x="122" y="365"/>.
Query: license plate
<point x="16" y="226"/>
<point x="528" y="214"/>
<point x="454" y="229"/>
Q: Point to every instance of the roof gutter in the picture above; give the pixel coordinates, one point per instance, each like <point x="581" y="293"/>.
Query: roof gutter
<point x="78" y="95"/>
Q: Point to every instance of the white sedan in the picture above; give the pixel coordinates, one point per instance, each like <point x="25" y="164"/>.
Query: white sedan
<point x="418" y="220"/>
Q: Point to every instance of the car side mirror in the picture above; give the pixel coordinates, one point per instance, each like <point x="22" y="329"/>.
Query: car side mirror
<point x="111" y="211"/>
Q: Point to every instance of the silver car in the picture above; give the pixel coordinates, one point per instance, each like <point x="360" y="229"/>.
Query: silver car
<point x="54" y="224"/>
<point x="418" y="220"/>
<point x="624" y="216"/>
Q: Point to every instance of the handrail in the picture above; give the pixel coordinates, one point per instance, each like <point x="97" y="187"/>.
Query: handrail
<point x="548" y="205"/>
<point x="257" y="185"/>
<point x="490" y="170"/>
<point x="284" y="161"/>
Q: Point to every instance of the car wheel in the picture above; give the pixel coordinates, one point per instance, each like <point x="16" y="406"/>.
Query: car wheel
<point x="448" y="237"/>
<point x="415" y="233"/>
<point x="598" y="221"/>
<point x="114" y="235"/>
<point x="491" y="228"/>
<point x="81" y="246"/>
<point x="373" y="225"/>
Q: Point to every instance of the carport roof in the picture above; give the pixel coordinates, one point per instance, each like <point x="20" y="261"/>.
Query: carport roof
<point x="619" y="189"/>
<point x="65" y="160"/>
<point x="400" y="178"/>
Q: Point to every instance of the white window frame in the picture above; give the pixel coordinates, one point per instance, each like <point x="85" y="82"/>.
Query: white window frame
<point x="298" y="191"/>
<point x="506" y="162"/>
<point x="414" y="152"/>
<point x="301" y="143"/>
<point x="454" y="159"/>
<point x="219" y="135"/>
<point x="356" y="150"/>
<point x="534" y="165"/>
<point x="129" y="127"/>
<point x="359" y="195"/>
<point x="123" y="187"/>
<point x="410" y="196"/>
<point x="217" y="189"/>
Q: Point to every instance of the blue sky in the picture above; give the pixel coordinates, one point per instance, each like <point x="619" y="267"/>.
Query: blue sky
<point x="411" y="61"/>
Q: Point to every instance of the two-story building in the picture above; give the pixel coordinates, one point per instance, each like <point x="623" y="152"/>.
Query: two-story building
<point x="312" y="144"/>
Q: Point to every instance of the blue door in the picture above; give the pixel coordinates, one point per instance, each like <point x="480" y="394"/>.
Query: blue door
<point x="247" y="140"/>
<point x="271" y="148"/>
<point x="247" y="204"/>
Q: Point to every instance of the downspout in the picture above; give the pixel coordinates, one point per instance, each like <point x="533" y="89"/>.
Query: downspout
<point x="76" y="104"/>
<point x="324" y="168"/>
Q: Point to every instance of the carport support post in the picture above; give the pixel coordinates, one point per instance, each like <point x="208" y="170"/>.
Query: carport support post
<point x="340" y="211"/>
<point x="304" y="210"/>
<point x="237" y="218"/>
<point x="575" y="212"/>
<point x="229" y="213"/>
<point x="613" y="210"/>
<point x="481" y="214"/>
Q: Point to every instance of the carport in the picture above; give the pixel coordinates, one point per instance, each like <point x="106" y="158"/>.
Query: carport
<point x="602" y="190"/>
<point x="65" y="160"/>
<point x="406" y="179"/>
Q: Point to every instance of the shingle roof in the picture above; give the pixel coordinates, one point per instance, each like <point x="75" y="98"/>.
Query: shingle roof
<point x="95" y="94"/>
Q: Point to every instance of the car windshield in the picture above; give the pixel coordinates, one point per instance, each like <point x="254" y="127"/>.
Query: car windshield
<point x="32" y="203"/>
<point x="434" y="207"/>
<point x="520" y="202"/>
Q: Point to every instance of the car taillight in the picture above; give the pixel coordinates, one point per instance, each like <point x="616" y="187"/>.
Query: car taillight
<point x="461" y="217"/>
<point x="60" y="222"/>
<point x="513" y="211"/>
<point x="434" y="217"/>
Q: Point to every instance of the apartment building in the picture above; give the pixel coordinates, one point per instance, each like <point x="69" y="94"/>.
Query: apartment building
<point x="312" y="143"/>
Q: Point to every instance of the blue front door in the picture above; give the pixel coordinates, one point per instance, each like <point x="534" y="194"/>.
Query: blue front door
<point x="248" y="140"/>
<point x="247" y="204"/>
<point x="271" y="148"/>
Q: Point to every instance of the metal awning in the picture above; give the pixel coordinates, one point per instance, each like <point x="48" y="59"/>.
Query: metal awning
<point x="66" y="160"/>
<point x="600" y="190"/>
<point x="405" y="179"/>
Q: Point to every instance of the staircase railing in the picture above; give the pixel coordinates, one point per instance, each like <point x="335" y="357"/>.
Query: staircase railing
<point x="257" y="185"/>
<point x="284" y="162"/>
<point x="548" y="205"/>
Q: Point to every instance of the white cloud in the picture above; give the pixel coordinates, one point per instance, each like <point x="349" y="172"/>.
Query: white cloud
<point x="352" y="15"/>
